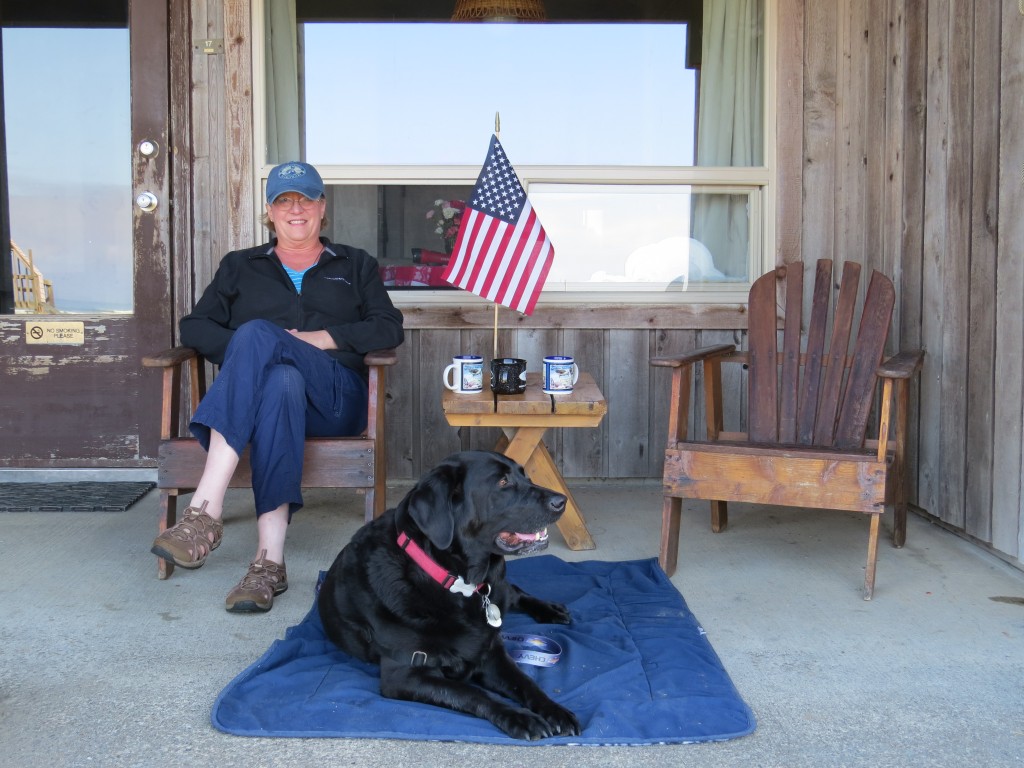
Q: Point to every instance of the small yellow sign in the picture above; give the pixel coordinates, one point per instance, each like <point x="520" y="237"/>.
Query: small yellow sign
<point x="55" y="333"/>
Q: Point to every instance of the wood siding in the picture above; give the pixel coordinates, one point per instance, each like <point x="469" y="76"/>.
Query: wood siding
<point x="899" y="148"/>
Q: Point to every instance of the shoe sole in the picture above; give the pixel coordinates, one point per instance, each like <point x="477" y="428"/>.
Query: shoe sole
<point x="251" y="606"/>
<point x="248" y="606"/>
<point x="168" y="557"/>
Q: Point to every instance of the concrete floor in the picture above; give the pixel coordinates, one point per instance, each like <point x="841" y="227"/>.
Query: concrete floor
<point x="101" y="664"/>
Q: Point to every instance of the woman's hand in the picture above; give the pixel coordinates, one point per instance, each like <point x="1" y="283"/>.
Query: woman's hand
<point x="319" y="339"/>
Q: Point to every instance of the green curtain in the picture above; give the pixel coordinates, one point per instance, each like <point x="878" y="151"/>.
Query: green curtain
<point x="282" y="73"/>
<point x="730" y="123"/>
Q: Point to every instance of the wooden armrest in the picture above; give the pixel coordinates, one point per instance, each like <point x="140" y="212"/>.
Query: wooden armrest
<point x="381" y="357"/>
<point x="693" y="356"/>
<point x="169" y="357"/>
<point x="901" y="366"/>
<point x="179" y="355"/>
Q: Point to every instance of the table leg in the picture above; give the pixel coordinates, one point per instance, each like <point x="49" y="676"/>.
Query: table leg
<point x="527" y="448"/>
<point x="519" y="443"/>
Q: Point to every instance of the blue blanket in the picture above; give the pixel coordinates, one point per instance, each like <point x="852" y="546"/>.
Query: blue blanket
<point x="635" y="667"/>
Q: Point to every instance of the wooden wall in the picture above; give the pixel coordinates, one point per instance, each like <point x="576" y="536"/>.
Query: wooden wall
<point x="899" y="125"/>
<point x="913" y="163"/>
<point x="614" y="344"/>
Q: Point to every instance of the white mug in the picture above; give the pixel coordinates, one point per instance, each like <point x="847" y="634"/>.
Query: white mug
<point x="560" y="374"/>
<point x="465" y="375"/>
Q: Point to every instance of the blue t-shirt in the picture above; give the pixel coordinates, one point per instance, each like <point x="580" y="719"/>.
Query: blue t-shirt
<point x="296" y="276"/>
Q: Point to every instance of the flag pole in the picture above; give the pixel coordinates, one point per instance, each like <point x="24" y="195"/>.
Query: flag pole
<point x="497" y="132"/>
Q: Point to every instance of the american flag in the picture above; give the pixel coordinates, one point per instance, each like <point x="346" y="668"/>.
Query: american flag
<point x="502" y="252"/>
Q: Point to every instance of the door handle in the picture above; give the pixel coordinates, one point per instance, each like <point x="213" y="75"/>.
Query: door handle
<point x="146" y="201"/>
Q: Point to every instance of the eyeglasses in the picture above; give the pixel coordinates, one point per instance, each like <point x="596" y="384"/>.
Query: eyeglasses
<point x="283" y="203"/>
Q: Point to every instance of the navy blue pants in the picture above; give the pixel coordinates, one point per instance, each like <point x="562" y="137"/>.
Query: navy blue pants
<point x="272" y="391"/>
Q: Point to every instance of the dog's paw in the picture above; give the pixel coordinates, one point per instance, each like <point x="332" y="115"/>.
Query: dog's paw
<point x="523" y="724"/>
<point x="551" y="613"/>
<point x="561" y="720"/>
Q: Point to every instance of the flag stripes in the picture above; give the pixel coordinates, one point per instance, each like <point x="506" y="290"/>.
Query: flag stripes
<point x="502" y="252"/>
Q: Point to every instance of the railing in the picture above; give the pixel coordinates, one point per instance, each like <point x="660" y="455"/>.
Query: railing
<point x="32" y="292"/>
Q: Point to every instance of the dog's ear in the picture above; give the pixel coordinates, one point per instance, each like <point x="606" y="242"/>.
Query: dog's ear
<point x="431" y="504"/>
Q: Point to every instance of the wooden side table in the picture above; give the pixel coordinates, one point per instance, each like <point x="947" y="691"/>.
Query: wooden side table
<point x="524" y="419"/>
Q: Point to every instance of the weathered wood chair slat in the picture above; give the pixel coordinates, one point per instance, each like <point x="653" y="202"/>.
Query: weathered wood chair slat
<point x="831" y="387"/>
<point x="806" y="443"/>
<point x="337" y="462"/>
<point x="815" y="350"/>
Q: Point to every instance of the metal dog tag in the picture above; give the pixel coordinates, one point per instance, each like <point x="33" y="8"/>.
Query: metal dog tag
<point x="492" y="613"/>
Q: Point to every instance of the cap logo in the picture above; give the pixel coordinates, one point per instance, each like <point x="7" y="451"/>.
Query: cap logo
<point x="291" y="172"/>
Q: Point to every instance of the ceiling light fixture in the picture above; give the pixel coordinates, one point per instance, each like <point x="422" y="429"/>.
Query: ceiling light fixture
<point x="499" y="10"/>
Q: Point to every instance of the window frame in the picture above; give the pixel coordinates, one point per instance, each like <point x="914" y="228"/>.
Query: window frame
<point x="762" y="178"/>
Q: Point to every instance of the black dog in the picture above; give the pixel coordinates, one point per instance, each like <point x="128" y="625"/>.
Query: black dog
<point x="421" y="591"/>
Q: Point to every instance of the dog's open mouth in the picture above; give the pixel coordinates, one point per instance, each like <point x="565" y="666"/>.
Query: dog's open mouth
<point x="522" y="543"/>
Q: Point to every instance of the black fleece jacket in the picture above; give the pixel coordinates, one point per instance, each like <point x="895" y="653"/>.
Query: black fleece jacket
<point x="342" y="294"/>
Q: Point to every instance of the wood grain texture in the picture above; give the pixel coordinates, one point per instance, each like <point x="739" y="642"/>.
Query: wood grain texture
<point x="1008" y="444"/>
<point x="852" y="482"/>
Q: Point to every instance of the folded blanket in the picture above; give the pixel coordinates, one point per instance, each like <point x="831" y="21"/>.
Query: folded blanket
<point x="635" y="667"/>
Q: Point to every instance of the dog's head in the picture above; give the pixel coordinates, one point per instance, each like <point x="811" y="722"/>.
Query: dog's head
<point x="480" y="503"/>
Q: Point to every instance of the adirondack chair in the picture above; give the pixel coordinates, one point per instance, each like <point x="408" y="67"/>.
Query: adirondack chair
<point x="329" y="462"/>
<point x="807" y="417"/>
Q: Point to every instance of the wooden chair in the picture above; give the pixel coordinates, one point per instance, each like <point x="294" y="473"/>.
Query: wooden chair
<point x="808" y="410"/>
<point x="337" y="462"/>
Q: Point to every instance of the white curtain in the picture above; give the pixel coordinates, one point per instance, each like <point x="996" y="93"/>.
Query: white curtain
<point x="282" y="73"/>
<point x="730" y="119"/>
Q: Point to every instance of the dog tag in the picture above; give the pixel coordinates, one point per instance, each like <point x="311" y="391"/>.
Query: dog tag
<point x="492" y="613"/>
<point x="462" y="588"/>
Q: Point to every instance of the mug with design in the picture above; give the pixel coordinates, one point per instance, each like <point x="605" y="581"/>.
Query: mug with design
<point x="508" y="375"/>
<point x="560" y="373"/>
<point x="465" y="375"/>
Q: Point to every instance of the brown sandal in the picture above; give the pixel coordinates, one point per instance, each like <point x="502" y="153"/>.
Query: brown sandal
<point x="187" y="543"/>
<point x="263" y="581"/>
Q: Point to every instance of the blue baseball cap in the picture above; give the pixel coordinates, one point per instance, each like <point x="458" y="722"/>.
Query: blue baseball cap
<point x="294" y="176"/>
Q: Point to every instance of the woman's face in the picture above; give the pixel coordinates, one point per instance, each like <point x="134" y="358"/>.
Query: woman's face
<point x="296" y="219"/>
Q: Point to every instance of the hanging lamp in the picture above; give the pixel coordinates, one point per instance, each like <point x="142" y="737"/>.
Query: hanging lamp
<point x="499" y="10"/>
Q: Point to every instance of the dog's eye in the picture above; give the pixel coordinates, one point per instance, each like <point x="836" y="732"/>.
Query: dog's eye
<point x="503" y="482"/>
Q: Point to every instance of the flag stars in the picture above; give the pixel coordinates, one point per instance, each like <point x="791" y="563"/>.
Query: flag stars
<point x="498" y="191"/>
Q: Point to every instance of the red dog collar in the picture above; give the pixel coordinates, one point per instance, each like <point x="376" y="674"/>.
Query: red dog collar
<point x="446" y="579"/>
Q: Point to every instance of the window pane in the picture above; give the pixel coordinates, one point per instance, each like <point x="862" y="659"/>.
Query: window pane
<point x="643" y="237"/>
<point x="392" y="224"/>
<point x="606" y="237"/>
<point x="66" y="105"/>
<point x="426" y="94"/>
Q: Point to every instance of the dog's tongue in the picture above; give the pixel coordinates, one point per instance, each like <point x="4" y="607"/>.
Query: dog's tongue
<point x="515" y="538"/>
<point x="523" y="543"/>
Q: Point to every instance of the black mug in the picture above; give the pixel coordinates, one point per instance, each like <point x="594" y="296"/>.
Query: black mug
<point x="508" y="375"/>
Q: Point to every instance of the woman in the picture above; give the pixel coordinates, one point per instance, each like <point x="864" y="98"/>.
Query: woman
<point x="288" y="323"/>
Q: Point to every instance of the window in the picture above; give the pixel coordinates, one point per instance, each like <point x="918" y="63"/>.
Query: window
<point x="642" y="148"/>
<point x="68" y="161"/>
<point x="668" y="221"/>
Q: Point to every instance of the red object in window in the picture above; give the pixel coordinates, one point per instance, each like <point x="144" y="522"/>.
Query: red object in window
<point x="426" y="256"/>
<point x="418" y="276"/>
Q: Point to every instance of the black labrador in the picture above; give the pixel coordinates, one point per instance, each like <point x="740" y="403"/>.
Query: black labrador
<point x="421" y="591"/>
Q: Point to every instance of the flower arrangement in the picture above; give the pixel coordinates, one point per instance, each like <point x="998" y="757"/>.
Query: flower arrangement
<point x="448" y="214"/>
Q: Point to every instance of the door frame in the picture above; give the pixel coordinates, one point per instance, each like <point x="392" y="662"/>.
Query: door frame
<point x="96" y="406"/>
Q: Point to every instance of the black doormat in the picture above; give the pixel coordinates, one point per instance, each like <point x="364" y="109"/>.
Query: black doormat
<point x="71" y="497"/>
